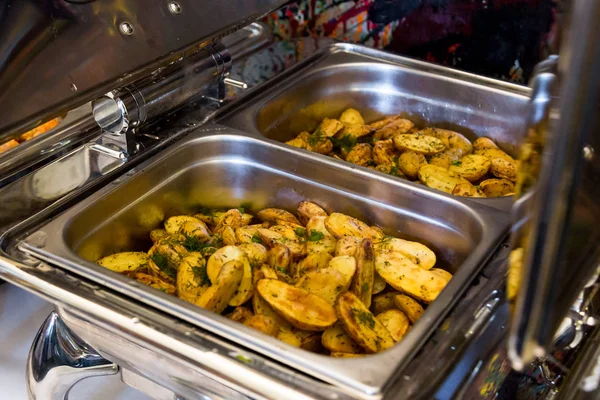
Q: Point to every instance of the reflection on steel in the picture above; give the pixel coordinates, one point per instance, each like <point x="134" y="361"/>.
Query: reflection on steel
<point x="58" y="359"/>
<point x="48" y="48"/>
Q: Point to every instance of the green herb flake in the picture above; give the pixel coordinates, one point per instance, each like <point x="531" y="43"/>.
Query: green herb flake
<point x="315" y="236"/>
<point x="256" y="239"/>
<point x="163" y="264"/>
<point x="365" y="287"/>
<point x="346" y="143"/>
<point x="282" y="270"/>
<point x="201" y="275"/>
<point x="456" y="162"/>
<point x="241" y="210"/>
<point x="371" y="163"/>
<point x="364" y="317"/>
<point x="300" y="232"/>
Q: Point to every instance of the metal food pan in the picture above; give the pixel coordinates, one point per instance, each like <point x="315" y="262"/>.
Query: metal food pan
<point x="226" y="168"/>
<point x="378" y="84"/>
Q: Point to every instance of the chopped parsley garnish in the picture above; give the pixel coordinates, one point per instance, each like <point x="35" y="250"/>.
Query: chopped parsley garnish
<point x="365" y="287"/>
<point x="256" y="239"/>
<point x="315" y="138"/>
<point x="300" y="232"/>
<point x="371" y="163"/>
<point x="346" y="143"/>
<point x="201" y="275"/>
<point x="456" y="162"/>
<point x="315" y="236"/>
<point x="194" y="244"/>
<point x="282" y="270"/>
<point x="364" y="317"/>
<point x="395" y="171"/>
<point x="241" y="210"/>
<point x="163" y="264"/>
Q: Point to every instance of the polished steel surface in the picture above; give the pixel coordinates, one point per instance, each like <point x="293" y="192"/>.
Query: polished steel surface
<point x="221" y="169"/>
<point x="58" y="359"/>
<point x="560" y="241"/>
<point x="57" y="55"/>
<point x="377" y="84"/>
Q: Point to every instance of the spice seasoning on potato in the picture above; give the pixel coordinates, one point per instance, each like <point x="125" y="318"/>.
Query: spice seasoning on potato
<point x="426" y="145"/>
<point x="395" y="321"/>
<point x="497" y="187"/>
<point x="409" y="306"/>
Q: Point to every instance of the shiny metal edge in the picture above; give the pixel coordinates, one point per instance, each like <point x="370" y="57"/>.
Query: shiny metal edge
<point x="371" y="378"/>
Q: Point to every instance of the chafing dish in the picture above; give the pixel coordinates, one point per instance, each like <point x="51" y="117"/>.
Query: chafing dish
<point x="171" y="132"/>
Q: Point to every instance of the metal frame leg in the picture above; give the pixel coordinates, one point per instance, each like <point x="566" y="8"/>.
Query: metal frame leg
<point x="58" y="359"/>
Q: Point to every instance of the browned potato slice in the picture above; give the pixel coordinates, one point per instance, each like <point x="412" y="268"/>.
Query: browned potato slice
<point x="289" y="338"/>
<point x="166" y="255"/>
<point x="155" y="282"/>
<point x="257" y="253"/>
<point x="409" y="306"/>
<point x="232" y="218"/>
<point x="311" y="342"/>
<point x="209" y="217"/>
<point x="405" y="276"/>
<point x="261" y="307"/>
<point x="225" y="255"/>
<point x="395" y="321"/>
<point x="340" y="225"/>
<point x="338" y="354"/>
<point x="482" y="143"/>
<point x="379" y="283"/>
<point x="286" y="231"/>
<point x="426" y="145"/>
<point x="196" y="229"/>
<point x="329" y="282"/>
<point x="274" y="214"/>
<point x="352" y="132"/>
<point x="497" y="187"/>
<point x="336" y="339"/>
<point x="229" y="237"/>
<point x="347" y="246"/>
<point x="452" y="140"/>
<point x="384" y="152"/>
<point x="299" y="307"/>
<point x="352" y="117"/>
<point x="317" y="228"/>
<point x="391" y="169"/>
<point x="360" y="154"/>
<point x="313" y="261"/>
<point x="307" y="210"/>
<point x="409" y="163"/>
<point x="224" y="288"/>
<point x="441" y="273"/>
<point x="467" y="190"/>
<point x="329" y="127"/>
<point x="380" y="123"/>
<point x="515" y="266"/>
<point x="492" y="153"/>
<point x="247" y="234"/>
<point x="271" y="238"/>
<point x="392" y="129"/>
<point x="438" y="178"/>
<point x="156" y="235"/>
<point x="445" y="158"/>
<point x="192" y="279"/>
<point x="263" y="324"/>
<point x="504" y="169"/>
<point x="124" y="262"/>
<point x="362" y="284"/>
<point x="472" y="167"/>
<point x="377" y="233"/>
<point x="416" y="252"/>
<point x="325" y="245"/>
<point x="383" y="302"/>
<point x="361" y="325"/>
<point x="319" y="240"/>
<point x="173" y="224"/>
<point x="240" y="314"/>
<point x="319" y="144"/>
<point x="280" y="259"/>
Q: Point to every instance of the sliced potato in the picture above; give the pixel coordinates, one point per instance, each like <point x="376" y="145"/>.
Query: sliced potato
<point x="247" y="234"/>
<point x="261" y="307"/>
<point x="390" y="169"/>
<point x="395" y="321"/>
<point x="452" y="140"/>
<point x="392" y="128"/>
<point x="317" y="224"/>
<point x="232" y="218"/>
<point x="361" y="154"/>
<point x="173" y="224"/>
<point x="124" y="262"/>
<point x="325" y="245"/>
<point x="338" y="354"/>
<point x="319" y="143"/>
<point x="491" y="153"/>
<point x="257" y="253"/>
<point x="274" y="214"/>
<point x="310" y="342"/>
<point x="312" y="261"/>
<point x="361" y="325"/>
<point x="497" y="187"/>
<point x="300" y="141"/>
<point x="307" y="210"/>
<point x="377" y="233"/>
<point x="472" y="167"/>
<point x="379" y="284"/>
<point x="225" y="255"/>
<point x="240" y="314"/>
<point x="280" y="259"/>
<point x="347" y="246"/>
<point x="416" y="252"/>
<point x="156" y="235"/>
<point x="409" y="163"/>
<point x="336" y="339"/>
<point x="504" y="169"/>
<point x="441" y="273"/>
<point x="271" y="238"/>
<point x="228" y="235"/>
<point x="289" y="338"/>
<point x="467" y="190"/>
<point x="383" y="302"/>
<point x="192" y="279"/>
<point x="287" y="232"/>
<point x="352" y="117"/>
<point x="329" y="127"/>
<point x="439" y="178"/>
<point x="196" y="229"/>
<point x="353" y="132"/>
<point x="329" y="282"/>
<point x="155" y="282"/>
<point x="483" y="143"/>
<point x="340" y="225"/>
<point x="445" y="158"/>
<point x="362" y="283"/>
<point x="384" y="152"/>
<point x="426" y="145"/>
<point x="405" y="276"/>
<point x="409" y="306"/>
<point x="299" y="307"/>
<point x="166" y="256"/>
<point x="263" y="324"/>
<point x="224" y="288"/>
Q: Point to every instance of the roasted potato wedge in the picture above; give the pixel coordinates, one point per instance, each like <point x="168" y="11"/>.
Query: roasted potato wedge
<point x="313" y="261"/>
<point x="361" y="154"/>
<point x="377" y="233"/>
<point x="213" y="217"/>
<point x="491" y="153"/>
<point x="280" y="259"/>
<point x="361" y="325"/>
<point x="329" y="127"/>
<point x="127" y="261"/>
<point x="262" y="323"/>
<point x="472" y="167"/>
<point x="409" y="163"/>
<point x="240" y="314"/>
<point x="261" y="307"/>
<point x="311" y="342"/>
<point x="362" y="283"/>
<point x="257" y="253"/>
<point x="174" y="224"/>
<point x="504" y="169"/>
<point x="155" y="282"/>
<point x="196" y="229"/>
<point x="352" y="117"/>
<point x="441" y="273"/>
<point x="395" y="321"/>
<point x="416" y="252"/>
<point x="224" y="288"/>
<point x="409" y="306"/>
<point x="353" y="132"/>
<point x="192" y="279"/>
<point x="384" y="152"/>
<point x="225" y="255"/>
<point x="248" y="234"/>
<point x="440" y="178"/>
<point x="232" y="218"/>
<point x="483" y="143"/>
<point x="298" y="306"/>
<point x="467" y="190"/>
<point x="300" y="141"/>
<point x="383" y="302"/>
<point x="308" y="210"/>
<point x="426" y="145"/>
<point x="340" y="225"/>
<point x="271" y="239"/>
<point x="336" y="339"/>
<point x="156" y="235"/>
<point x="445" y="158"/>
<point x="347" y="246"/>
<point x="379" y="284"/>
<point x="289" y="338"/>
<point x="274" y="214"/>
<point x="405" y="276"/>
<point x="329" y="282"/>
<point x="228" y="236"/>
<point x="392" y="128"/>
<point x="497" y="187"/>
<point x="451" y="140"/>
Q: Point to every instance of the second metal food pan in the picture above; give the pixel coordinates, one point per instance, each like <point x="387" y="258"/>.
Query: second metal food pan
<point x="378" y="84"/>
<point x="226" y="168"/>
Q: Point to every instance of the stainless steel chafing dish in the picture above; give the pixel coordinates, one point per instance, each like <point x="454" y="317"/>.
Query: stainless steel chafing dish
<point x="157" y="126"/>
